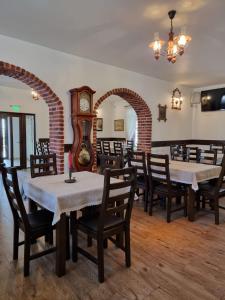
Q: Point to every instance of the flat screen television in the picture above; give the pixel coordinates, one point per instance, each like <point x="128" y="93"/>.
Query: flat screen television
<point x="213" y="100"/>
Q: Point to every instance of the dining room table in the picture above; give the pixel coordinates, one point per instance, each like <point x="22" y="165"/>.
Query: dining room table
<point x="53" y="193"/>
<point x="191" y="174"/>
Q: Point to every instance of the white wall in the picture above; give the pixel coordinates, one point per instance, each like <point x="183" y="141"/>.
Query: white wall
<point x="208" y="125"/>
<point x="11" y="96"/>
<point x="63" y="71"/>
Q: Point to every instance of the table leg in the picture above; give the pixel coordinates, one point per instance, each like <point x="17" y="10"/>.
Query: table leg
<point x="191" y="203"/>
<point x="61" y="246"/>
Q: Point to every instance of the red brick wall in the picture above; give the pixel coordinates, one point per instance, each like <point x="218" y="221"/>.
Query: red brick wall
<point x="56" y="116"/>
<point x="143" y="115"/>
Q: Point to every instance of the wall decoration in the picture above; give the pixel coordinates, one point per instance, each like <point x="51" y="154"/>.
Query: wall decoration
<point x="162" y="112"/>
<point x="177" y="99"/>
<point x="119" y="125"/>
<point x="99" y="124"/>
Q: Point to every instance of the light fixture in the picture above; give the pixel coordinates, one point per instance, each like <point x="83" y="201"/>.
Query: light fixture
<point x="177" y="99"/>
<point x="35" y="95"/>
<point x="175" y="44"/>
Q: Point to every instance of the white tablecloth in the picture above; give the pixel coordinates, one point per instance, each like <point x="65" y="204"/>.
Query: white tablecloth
<point x="54" y="194"/>
<point x="192" y="173"/>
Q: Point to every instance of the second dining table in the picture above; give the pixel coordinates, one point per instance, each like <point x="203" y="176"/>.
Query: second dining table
<point x="52" y="193"/>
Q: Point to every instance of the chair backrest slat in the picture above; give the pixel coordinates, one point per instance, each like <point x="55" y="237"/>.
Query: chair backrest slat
<point x="121" y="202"/>
<point x="118" y="148"/>
<point x="106" y="147"/>
<point x="207" y="156"/>
<point x="137" y="159"/>
<point x="158" y="172"/>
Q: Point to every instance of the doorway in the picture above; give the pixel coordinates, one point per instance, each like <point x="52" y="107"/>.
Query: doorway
<point x="17" y="138"/>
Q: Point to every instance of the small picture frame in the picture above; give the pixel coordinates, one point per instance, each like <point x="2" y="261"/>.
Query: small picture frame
<point x="119" y="125"/>
<point x="99" y="124"/>
<point x="162" y="112"/>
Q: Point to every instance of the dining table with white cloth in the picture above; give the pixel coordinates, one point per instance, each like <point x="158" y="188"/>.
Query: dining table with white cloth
<point x="51" y="192"/>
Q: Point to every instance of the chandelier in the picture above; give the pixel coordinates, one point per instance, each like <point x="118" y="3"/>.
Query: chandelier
<point x="175" y="44"/>
<point x="34" y="94"/>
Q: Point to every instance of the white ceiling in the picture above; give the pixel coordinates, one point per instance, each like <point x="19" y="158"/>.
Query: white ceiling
<point x="117" y="32"/>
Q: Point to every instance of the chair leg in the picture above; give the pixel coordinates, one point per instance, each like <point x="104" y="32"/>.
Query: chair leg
<point x="185" y="205"/>
<point x="49" y="238"/>
<point x="216" y="208"/>
<point x="15" y="242"/>
<point x="74" y="242"/>
<point x="127" y="247"/>
<point x="26" y="257"/>
<point x="89" y="241"/>
<point x="150" y="202"/>
<point x="203" y="202"/>
<point x="100" y="254"/>
<point x="105" y="243"/>
<point x="145" y="200"/>
<point x="67" y="238"/>
<point x="168" y="211"/>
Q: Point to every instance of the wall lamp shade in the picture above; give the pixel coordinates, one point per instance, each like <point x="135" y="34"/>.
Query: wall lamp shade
<point x="177" y="99"/>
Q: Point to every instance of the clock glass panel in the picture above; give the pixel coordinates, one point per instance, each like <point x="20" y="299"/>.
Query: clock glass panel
<point x="85" y="102"/>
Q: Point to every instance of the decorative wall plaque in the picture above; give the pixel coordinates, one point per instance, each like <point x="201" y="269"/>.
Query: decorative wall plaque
<point x="162" y="112"/>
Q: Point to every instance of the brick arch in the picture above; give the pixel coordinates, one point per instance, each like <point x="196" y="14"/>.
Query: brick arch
<point x="142" y="110"/>
<point x="56" y="117"/>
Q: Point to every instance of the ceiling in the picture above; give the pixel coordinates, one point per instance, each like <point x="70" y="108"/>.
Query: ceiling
<point x="118" y="32"/>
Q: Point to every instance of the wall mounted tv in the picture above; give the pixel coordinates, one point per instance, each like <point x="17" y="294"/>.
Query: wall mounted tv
<point x="213" y="100"/>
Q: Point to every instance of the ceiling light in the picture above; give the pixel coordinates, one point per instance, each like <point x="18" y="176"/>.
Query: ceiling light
<point x="175" y="44"/>
<point x="35" y="95"/>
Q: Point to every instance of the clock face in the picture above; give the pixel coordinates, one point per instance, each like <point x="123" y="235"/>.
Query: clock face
<point x="85" y="102"/>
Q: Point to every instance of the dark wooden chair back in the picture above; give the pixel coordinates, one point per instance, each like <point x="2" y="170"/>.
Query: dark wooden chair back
<point x="207" y="156"/>
<point x="106" y="147"/>
<point x="130" y="145"/>
<point x="43" y="165"/>
<point x="38" y="149"/>
<point x="10" y="182"/>
<point x="137" y="159"/>
<point x="117" y="197"/>
<point x="192" y="154"/>
<point x="118" y="148"/>
<point x="220" y="179"/>
<point x="218" y="148"/>
<point x="110" y="162"/>
<point x="178" y="152"/>
<point x="99" y="148"/>
<point x="44" y="143"/>
<point x="158" y="169"/>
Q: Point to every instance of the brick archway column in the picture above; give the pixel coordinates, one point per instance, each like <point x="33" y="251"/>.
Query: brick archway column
<point x="56" y="115"/>
<point x="144" y="117"/>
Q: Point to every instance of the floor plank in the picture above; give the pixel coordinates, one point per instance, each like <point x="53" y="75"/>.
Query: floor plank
<point x="180" y="260"/>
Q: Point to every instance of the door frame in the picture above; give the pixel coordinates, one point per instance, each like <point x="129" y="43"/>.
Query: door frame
<point x="23" y="141"/>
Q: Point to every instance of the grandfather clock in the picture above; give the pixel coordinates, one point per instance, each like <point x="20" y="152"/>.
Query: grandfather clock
<point x="82" y="116"/>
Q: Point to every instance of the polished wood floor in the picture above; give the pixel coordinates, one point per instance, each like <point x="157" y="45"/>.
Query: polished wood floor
<point x="180" y="260"/>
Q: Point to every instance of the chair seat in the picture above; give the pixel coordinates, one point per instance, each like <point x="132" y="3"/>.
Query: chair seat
<point x="91" y="223"/>
<point x="163" y="190"/>
<point x="208" y="190"/>
<point x="40" y="219"/>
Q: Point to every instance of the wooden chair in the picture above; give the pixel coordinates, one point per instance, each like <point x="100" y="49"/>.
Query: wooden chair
<point x="113" y="218"/>
<point x="43" y="165"/>
<point x="207" y="156"/>
<point x="109" y="162"/>
<point x="161" y="185"/>
<point x="130" y="145"/>
<point x="44" y="143"/>
<point x="98" y="151"/>
<point x="212" y="191"/>
<point x="106" y="148"/>
<point x="34" y="225"/>
<point x="137" y="159"/>
<point x="218" y="148"/>
<point x="192" y="154"/>
<point x="178" y="152"/>
<point x="38" y="149"/>
<point x="118" y="148"/>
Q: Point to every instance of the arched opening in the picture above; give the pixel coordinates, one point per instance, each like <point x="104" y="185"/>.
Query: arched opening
<point x="56" y="118"/>
<point x="143" y="112"/>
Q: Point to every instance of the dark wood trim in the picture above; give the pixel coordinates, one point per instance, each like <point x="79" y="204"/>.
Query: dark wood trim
<point x="168" y="143"/>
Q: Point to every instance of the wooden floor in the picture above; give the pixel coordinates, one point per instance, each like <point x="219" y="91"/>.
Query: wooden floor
<point x="180" y="260"/>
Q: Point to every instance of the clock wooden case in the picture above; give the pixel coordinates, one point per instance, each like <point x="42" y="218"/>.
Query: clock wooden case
<point x="82" y="118"/>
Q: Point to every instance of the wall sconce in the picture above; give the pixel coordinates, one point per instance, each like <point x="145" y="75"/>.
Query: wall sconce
<point x="35" y="95"/>
<point x="176" y="99"/>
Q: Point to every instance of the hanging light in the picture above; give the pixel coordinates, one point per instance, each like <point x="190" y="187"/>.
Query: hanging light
<point x="175" y="44"/>
<point x="34" y="94"/>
